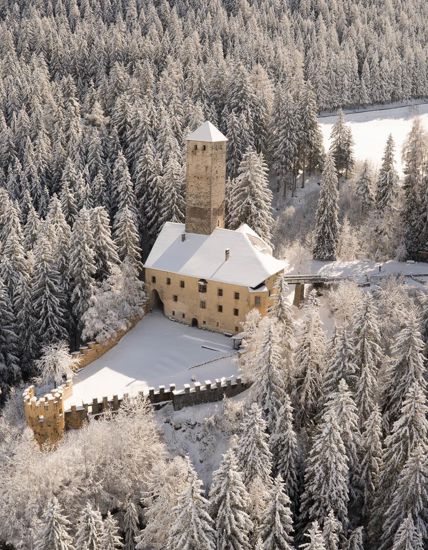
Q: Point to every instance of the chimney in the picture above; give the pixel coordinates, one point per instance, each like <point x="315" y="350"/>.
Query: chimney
<point x="226" y="254"/>
<point x="183" y="237"/>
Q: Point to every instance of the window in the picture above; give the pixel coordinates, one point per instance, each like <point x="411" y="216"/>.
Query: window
<point x="236" y="329"/>
<point x="204" y="322"/>
<point x="236" y="312"/>
<point x="236" y="295"/>
<point x="220" y="309"/>
<point x="175" y="298"/>
<point x="181" y="284"/>
<point x="219" y="292"/>
<point x="183" y="315"/>
<point x="195" y="147"/>
<point x="168" y="281"/>
<point x="153" y="279"/>
<point x="204" y="147"/>
<point x="202" y="285"/>
<point x="257" y="301"/>
<point x="202" y="304"/>
<point x="173" y="313"/>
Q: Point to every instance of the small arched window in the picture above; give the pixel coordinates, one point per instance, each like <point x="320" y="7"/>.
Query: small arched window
<point x="202" y="285"/>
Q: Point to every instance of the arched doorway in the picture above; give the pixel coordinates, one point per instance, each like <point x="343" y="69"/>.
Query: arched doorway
<point x="155" y="301"/>
<point x="194" y="322"/>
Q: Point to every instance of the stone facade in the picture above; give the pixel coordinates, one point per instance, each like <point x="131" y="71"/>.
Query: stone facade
<point x="205" y="186"/>
<point x="219" y="307"/>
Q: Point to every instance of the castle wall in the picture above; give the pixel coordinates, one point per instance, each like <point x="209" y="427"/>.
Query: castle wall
<point x="185" y="304"/>
<point x="205" y="186"/>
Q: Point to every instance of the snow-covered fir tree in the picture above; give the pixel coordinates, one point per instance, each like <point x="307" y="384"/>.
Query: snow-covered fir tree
<point x="229" y="505"/>
<point x="193" y="528"/>
<point x="341" y="147"/>
<point x="105" y="251"/>
<point x="326" y="475"/>
<point x="368" y="356"/>
<point x="342" y="363"/>
<point x="371" y="457"/>
<point x="55" y="531"/>
<point x="254" y="456"/>
<point x="408" y="536"/>
<point x="268" y="389"/>
<point x="126" y="237"/>
<point x="284" y="448"/>
<point x="314" y="537"/>
<point x="331" y="532"/>
<point x="326" y="231"/>
<point x="111" y="539"/>
<point x="310" y="359"/>
<point x="251" y="198"/>
<point x="90" y="529"/>
<point x="387" y="179"/>
<point x="130" y="524"/>
<point x="356" y="539"/>
<point x="364" y="188"/>
<point x="276" y="526"/>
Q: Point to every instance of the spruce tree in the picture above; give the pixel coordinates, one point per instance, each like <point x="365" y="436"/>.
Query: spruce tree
<point x="284" y="448"/>
<point x="276" y="526"/>
<point x="130" y="524"/>
<point x="105" y="251"/>
<point x="173" y="205"/>
<point x="326" y="231"/>
<point x="126" y="238"/>
<point x="316" y="540"/>
<point x="81" y="267"/>
<point x="368" y="356"/>
<point x="111" y="539"/>
<point x="415" y="155"/>
<point x="405" y="368"/>
<point x="268" y="389"/>
<point x="229" y="505"/>
<point x="251" y="198"/>
<point x="371" y="457"/>
<point x="193" y="526"/>
<point x="123" y="190"/>
<point x="331" y="532"/>
<point x="356" y="540"/>
<point x="90" y="529"/>
<point x="342" y="363"/>
<point x="310" y="359"/>
<point x="341" y="147"/>
<point x="25" y="323"/>
<point x="254" y="456"/>
<point x="387" y="180"/>
<point x="410" y="497"/>
<point x="364" y="188"/>
<point x="55" y="529"/>
<point x="48" y="298"/>
<point x="408" y="536"/>
<point x="326" y="475"/>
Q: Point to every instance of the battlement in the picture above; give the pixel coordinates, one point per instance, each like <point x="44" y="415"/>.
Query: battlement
<point x="48" y="419"/>
<point x="45" y="414"/>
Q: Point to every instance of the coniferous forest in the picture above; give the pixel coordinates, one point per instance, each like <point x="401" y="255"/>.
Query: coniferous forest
<point x="329" y="450"/>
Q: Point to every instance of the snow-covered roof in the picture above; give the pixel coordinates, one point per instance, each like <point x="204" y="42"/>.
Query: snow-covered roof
<point x="206" y="132"/>
<point x="250" y="261"/>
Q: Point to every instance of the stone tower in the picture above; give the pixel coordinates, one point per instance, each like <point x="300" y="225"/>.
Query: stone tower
<point x="205" y="179"/>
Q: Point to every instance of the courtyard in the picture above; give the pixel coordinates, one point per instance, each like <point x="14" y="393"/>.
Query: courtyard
<point x="155" y="352"/>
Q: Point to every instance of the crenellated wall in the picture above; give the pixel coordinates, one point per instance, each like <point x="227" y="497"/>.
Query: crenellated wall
<point x="49" y="421"/>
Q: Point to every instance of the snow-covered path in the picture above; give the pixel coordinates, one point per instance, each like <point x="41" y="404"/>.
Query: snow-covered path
<point x="370" y="130"/>
<point x="155" y="352"/>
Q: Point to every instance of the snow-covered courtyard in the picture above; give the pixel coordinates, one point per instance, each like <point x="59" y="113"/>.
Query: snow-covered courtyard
<point x="371" y="129"/>
<point x="155" y="352"/>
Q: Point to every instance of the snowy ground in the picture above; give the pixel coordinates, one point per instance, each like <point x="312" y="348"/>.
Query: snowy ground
<point x="156" y="351"/>
<point x="370" y="130"/>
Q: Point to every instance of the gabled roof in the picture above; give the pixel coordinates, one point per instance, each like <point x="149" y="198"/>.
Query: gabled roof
<point x="206" y="132"/>
<point x="250" y="259"/>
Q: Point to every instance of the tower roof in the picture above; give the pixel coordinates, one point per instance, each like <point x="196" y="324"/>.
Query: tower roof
<point x="206" y="132"/>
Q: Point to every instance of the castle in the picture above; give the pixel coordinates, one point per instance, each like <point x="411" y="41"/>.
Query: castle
<point x="199" y="272"/>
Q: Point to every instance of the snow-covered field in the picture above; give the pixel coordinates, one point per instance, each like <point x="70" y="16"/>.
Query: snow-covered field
<point x="155" y="352"/>
<point x="370" y="130"/>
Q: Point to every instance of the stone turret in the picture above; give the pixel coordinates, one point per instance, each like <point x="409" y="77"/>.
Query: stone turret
<point x="205" y="179"/>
